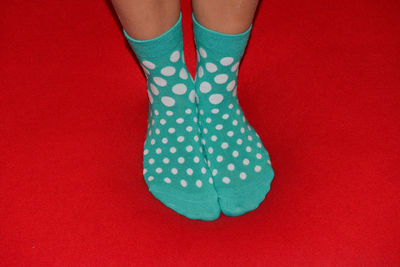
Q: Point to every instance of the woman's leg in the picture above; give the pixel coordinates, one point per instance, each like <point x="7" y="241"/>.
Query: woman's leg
<point x="240" y="164"/>
<point x="146" y="19"/>
<point x="225" y="16"/>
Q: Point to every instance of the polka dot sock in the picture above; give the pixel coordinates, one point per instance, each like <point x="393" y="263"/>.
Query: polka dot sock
<point x="240" y="164"/>
<point x="174" y="166"/>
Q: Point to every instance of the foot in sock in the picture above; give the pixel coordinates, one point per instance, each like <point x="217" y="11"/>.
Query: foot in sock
<point x="240" y="164"/>
<point x="173" y="159"/>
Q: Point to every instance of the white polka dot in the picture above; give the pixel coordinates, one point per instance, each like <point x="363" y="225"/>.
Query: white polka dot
<point x="199" y="183"/>
<point x="205" y="131"/>
<point x="242" y="130"/>
<point x="225" y="116"/>
<point x="248" y="149"/>
<point x="203" y="141"/>
<point x="231" y="167"/>
<point x="158" y="150"/>
<point x="235" y="67"/>
<point x="259" y="144"/>
<point x="168" y="101"/>
<point x="234" y="91"/>
<point x="168" y="71"/>
<point x="257" y="168"/>
<point x="183" y="183"/>
<point x="183" y="74"/>
<point x="179" y="120"/>
<point x="214" y="172"/>
<point x="179" y="89"/>
<point x="216" y="99"/>
<point x="167" y="180"/>
<point x="174" y="171"/>
<point x="226" y="61"/>
<point x="202" y="52"/>
<point x="221" y="78"/>
<point x="171" y="130"/>
<point x="230" y="106"/>
<point x="226" y="180"/>
<point x="259" y="156"/>
<point x="196" y="159"/>
<point x="160" y="81"/>
<point x="164" y="140"/>
<point x="192" y="96"/>
<point x="151" y="178"/>
<point x="214" y="111"/>
<point x="162" y="121"/>
<point x="235" y="122"/>
<point x="172" y="150"/>
<point x="144" y="171"/>
<point x="231" y="85"/>
<point x="235" y="154"/>
<point x="148" y="64"/>
<point x="150" y="97"/>
<point x="220" y="158"/>
<point x="189" y="129"/>
<point x="158" y="170"/>
<point x="246" y="162"/>
<point x="248" y="127"/>
<point x="243" y="175"/>
<point x="224" y="145"/>
<point x="188" y="111"/>
<point x="214" y="138"/>
<point x="180" y="139"/>
<point x="153" y="141"/>
<point x="169" y="113"/>
<point x="250" y="138"/>
<point x="154" y="89"/>
<point x="219" y="126"/>
<point x="166" y="160"/>
<point x="157" y="131"/>
<point x="269" y="162"/>
<point x="181" y="160"/>
<point x="189" y="148"/>
<point x="211" y="67"/>
<point x="196" y="138"/>
<point x="200" y="72"/>
<point x="229" y="133"/>
<point x="208" y="120"/>
<point x="210" y="180"/>
<point x="203" y="170"/>
<point x="239" y="141"/>
<point x="189" y="171"/>
<point x="205" y="87"/>
<point x="156" y="112"/>
<point x="145" y="70"/>
<point x="145" y="152"/>
<point x="210" y="150"/>
<point x="174" y="56"/>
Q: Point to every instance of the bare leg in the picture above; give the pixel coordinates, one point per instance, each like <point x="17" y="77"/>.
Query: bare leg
<point x="225" y="16"/>
<point x="147" y="19"/>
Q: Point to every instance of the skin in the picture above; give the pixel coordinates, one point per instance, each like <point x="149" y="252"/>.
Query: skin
<point x="147" y="19"/>
<point x="225" y="16"/>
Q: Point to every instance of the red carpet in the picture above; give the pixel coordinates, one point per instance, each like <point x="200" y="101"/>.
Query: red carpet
<point x="320" y="82"/>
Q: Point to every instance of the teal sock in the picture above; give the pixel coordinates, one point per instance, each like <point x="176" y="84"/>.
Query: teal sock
<point x="173" y="161"/>
<point x="240" y="164"/>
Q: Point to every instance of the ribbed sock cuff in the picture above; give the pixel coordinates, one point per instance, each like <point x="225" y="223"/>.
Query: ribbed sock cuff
<point x="229" y="43"/>
<point x="160" y="45"/>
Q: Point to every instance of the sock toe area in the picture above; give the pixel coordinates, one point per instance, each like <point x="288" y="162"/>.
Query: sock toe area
<point x="236" y="202"/>
<point x="203" y="207"/>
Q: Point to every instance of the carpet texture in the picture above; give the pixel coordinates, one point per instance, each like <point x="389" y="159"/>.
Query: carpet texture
<point x="319" y="82"/>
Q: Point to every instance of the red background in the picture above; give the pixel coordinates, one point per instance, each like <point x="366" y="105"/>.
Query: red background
<point x="320" y="82"/>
